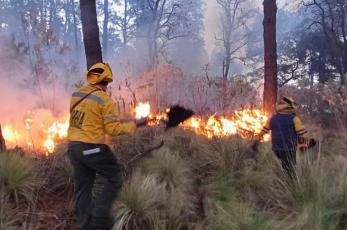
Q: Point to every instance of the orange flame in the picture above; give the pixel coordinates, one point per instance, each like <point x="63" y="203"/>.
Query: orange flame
<point x="142" y="110"/>
<point x="245" y="123"/>
<point x="10" y="134"/>
<point x="58" y="130"/>
<point x="45" y="138"/>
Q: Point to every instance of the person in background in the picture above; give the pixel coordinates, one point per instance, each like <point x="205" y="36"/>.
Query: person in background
<point x="93" y="114"/>
<point x="287" y="133"/>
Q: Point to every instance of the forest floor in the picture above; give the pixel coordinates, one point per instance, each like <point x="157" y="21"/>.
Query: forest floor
<point x="191" y="182"/>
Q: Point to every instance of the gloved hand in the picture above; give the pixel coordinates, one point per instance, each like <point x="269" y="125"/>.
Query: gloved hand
<point x="303" y="147"/>
<point x="141" y="122"/>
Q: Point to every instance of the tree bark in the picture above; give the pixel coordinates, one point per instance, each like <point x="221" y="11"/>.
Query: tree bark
<point x="2" y="142"/>
<point x="311" y="93"/>
<point x="124" y="24"/>
<point x="74" y="20"/>
<point x="270" y="56"/>
<point x="90" y="31"/>
<point x="105" y="29"/>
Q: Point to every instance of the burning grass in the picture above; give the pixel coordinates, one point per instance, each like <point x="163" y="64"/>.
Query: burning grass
<point x="40" y="132"/>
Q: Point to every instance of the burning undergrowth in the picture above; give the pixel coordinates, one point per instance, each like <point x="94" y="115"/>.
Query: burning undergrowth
<point x="40" y="130"/>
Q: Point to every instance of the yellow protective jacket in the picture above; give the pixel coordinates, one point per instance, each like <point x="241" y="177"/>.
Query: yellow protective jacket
<point x="94" y="117"/>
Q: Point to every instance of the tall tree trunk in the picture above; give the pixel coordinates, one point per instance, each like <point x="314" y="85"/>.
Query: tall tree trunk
<point x="311" y="93"/>
<point x="2" y="142"/>
<point x="90" y="31"/>
<point x="344" y="67"/>
<point x="105" y="29"/>
<point x="125" y="24"/>
<point x="270" y="56"/>
<point x="74" y="20"/>
<point x="226" y="64"/>
<point x="67" y="21"/>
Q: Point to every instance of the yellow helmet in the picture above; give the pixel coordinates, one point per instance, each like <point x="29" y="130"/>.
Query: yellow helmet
<point x="286" y="103"/>
<point x="99" y="72"/>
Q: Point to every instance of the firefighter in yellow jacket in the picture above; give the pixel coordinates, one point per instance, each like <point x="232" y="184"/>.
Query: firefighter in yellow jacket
<point x="287" y="133"/>
<point x="93" y="114"/>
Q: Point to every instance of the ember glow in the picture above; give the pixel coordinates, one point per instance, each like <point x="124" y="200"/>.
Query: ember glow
<point x="43" y="136"/>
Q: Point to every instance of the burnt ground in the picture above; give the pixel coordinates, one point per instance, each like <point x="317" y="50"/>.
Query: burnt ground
<point x="55" y="212"/>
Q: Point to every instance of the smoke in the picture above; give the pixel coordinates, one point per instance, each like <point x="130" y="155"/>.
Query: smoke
<point x="212" y="18"/>
<point x="25" y="95"/>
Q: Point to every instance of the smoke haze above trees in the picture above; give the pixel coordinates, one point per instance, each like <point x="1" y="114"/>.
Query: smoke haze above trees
<point x="178" y="41"/>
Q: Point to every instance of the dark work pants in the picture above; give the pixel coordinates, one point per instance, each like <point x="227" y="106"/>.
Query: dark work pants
<point x="87" y="160"/>
<point x="288" y="161"/>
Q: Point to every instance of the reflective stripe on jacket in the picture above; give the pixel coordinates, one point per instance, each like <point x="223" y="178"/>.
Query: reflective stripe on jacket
<point x="286" y="128"/>
<point x="94" y="117"/>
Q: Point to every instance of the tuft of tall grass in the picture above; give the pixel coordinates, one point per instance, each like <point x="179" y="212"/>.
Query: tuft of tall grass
<point x="169" y="168"/>
<point x="223" y="184"/>
<point x="8" y="218"/>
<point x="138" y="201"/>
<point x="60" y="173"/>
<point x="232" y="154"/>
<point x="229" y="211"/>
<point x="17" y="177"/>
<point x="240" y="215"/>
<point x="316" y="198"/>
<point x="173" y="173"/>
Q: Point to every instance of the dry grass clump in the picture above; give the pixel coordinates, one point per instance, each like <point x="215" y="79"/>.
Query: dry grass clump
<point x="224" y="184"/>
<point x="130" y="147"/>
<point x="334" y="143"/>
<point x="173" y="173"/>
<point x="316" y="199"/>
<point x="169" y="168"/>
<point x="60" y="173"/>
<point x="8" y="218"/>
<point x="137" y="202"/>
<point x="196" y="183"/>
<point x="229" y="210"/>
<point x="160" y="196"/>
<point x="17" y="176"/>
